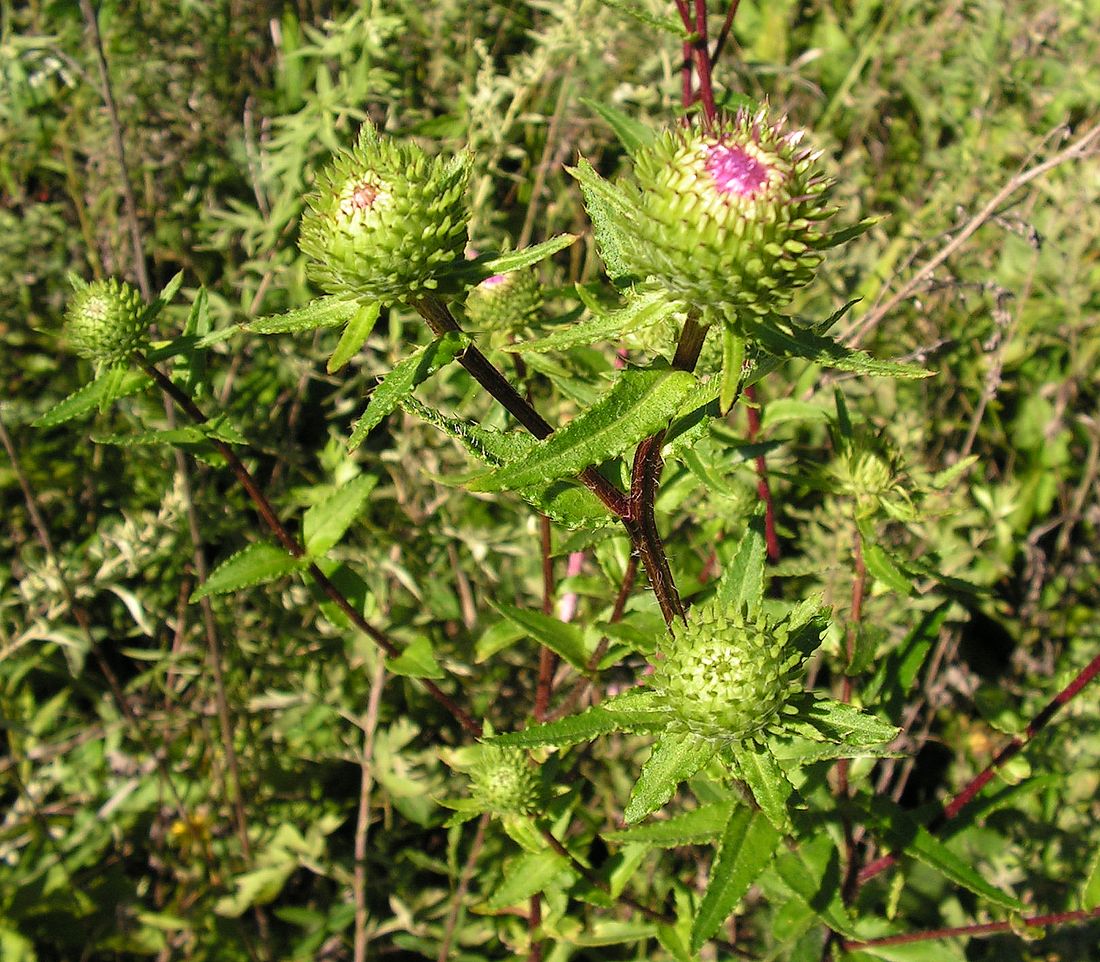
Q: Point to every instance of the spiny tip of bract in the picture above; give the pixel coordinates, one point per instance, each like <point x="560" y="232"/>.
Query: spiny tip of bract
<point x="104" y="320"/>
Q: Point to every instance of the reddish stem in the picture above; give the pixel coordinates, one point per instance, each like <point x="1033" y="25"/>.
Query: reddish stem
<point x="548" y="661"/>
<point x="702" y="62"/>
<point x="763" y="488"/>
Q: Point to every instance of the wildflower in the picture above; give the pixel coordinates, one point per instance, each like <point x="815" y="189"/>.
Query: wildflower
<point x="105" y="320"/>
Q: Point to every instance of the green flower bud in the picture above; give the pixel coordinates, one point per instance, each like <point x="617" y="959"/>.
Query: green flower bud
<point x="727" y="677"/>
<point x="387" y="222"/>
<point x="104" y="321"/>
<point x="504" y="783"/>
<point x="505" y="302"/>
<point x="728" y="216"/>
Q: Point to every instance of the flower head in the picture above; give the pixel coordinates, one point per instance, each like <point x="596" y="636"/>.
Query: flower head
<point x="505" y="302"/>
<point x="105" y="320"/>
<point x="387" y="222"/>
<point x="504" y="783"/>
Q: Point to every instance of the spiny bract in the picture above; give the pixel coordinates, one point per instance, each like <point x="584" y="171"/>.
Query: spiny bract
<point x="504" y="783"/>
<point x="727" y="676"/>
<point x="727" y="215"/>
<point x="387" y="222"/>
<point x="104" y="321"/>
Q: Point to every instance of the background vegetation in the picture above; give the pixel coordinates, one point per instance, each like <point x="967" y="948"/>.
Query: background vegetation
<point x="234" y="780"/>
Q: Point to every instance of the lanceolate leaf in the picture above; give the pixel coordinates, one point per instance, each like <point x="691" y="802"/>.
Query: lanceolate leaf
<point x="606" y="206"/>
<point x="405" y="376"/>
<point x="257" y="564"/>
<point x="563" y="638"/>
<point x="354" y="336"/>
<point x="324" y="524"/>
<point x="742" y="581"/>
<point x="904" y="834"/>
<point x="675" y="758"/>
<point x="639" y="404"/>
<point x="766" y="780"/>
<point x="632" y="134"/>
<point x="704" y="824"/>
<point x="104" y="389"/>
<point x="531" y="872"/>
<point x="329" y="311"/>
<point x="812" y="872"/>
<point x="748" y="845"/>
<point x="837" y="721"/>
<point x="514" y="260"/>
<point x="584" y="727"/>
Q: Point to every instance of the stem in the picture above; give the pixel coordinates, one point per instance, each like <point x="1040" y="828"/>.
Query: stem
<point x="463" y="888"/>
<point x="642" y="526"/>
<point x="362" y="820"/>
<point x="702" y="62"/>
<point x="1013" y="748"/>
<point x="294" y="547"/>
<point x="547" y="659"/>
<point x="763" y="488"/>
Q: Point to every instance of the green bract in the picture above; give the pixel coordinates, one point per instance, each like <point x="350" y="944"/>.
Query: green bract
<point x="504" y="302"/>
<point x="504" y="783"/>
<point x="105" y="320"/>
<point x="727" y="676"/>
<point x="387" y="222"/>
<point x="726" y="216"/>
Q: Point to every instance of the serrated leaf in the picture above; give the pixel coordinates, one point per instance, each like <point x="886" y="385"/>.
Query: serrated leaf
<point x="639" y="404"/>
<point x="529" y="873"/>
<point x="781" y="339"/>
<point x="704" y="824"/>
<point x="331" y="311"/>
<point x="563" y="638"/>
<point x="792" y="751"/>
<point x="635" y="11"/>
<point x="905" y="835"/>
<point x="812" y="872"/>
<point x="404" y="378"/>
<point x="605" y="326"/>
<point x="516" y="260"/>
<point x="584" y="727"/>
<point x="325" y="523"/>
<point x="883" y="569"/>
<point x="105" y="388"/>
<point x="676" y="756"/>
<point x="837" y="721"/>
<point x="181" y="437"/>
<point x="632" y="134"/>
<point x="417" y="660"/>
<point x="354" y="336"/>
<point x="257" y="564"/>
<point x="742" y="582"/>
<point x="767" y="782"/>
<point x="607" y="207"/>
<point x="923" y="951"/>
<point x="748" y="845"/>
<point x="901" y="666"/>
<point x="163" y="299"/>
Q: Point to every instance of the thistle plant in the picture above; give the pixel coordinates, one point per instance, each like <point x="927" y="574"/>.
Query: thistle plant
<point x="106" y="321"/>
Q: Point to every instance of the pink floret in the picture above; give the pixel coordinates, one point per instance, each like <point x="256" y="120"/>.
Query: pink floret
<point x="735" y="171"/>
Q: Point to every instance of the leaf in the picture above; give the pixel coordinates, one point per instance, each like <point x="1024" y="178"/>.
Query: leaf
<point x="784" y="340"/>
<point x="104" y="389"/>
<point x="257" y="564"/>
<point x="584" y="727"/>
<point x="255" y="888"/>
<point x="794" y="752"/>
<point x="162" y="300"/>
<point x="704" y="824"/>
<point x="417" y="660"/>
<point x="812" y="872"/>
<point x="923" y="951"/>
<point x="882" y="567"/>
<point x="639" y="312"/>
<point x="901" y="666"/>
<point x="769" y="786"/>
<point x="529" y="873"/>
<point x="406" y="375"/>
<point x="634" y="10"/>
<point x="837" y="721"/>
<point x="563" y="638"/>
<point x="331" y="311"/>
<point x="748" y="845"/>
<point x="904" y="834"/>
<point x="608" y="207"/>
<point x="675" y="758"/>
<point x="514" y="260"/>
<point x="632" y="134"/>
<point x="325" y="524"/>
<point x="742" y="583"/>
<point x="639" y="404"/>
<point x="354" y="336"/>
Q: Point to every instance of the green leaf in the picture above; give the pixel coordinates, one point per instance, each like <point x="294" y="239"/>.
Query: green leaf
<point x="748" y="845"/>
<point x="635" y="11"/>
<point x="639" y="404"/>
<point x="257" y="564"/>
<point x="104" y="389"/>
<point x="675" y="758"/>
<point x="331" y="311"/>
<point x="529" y="873"/>
<point x="325" y="523"/>
<point x="767" y="782"/>
<point x="812" y="872"/>
<point x="899" y="669"/>
<point x="923" y="951"/>
<point x="417" y="660"/>
<point x="584" y="727"/>
<point x="632" y="134"/>
<point x="163" y="299"/>
<point x="704" y="824"/>
<point x="563" y="638"/>
<point x="354" y="336"/>
<point x="255" y="888"/>
<point x="514" y="260"/>
<point x="607" y="208"/>
<point x="742" y="583"/>
<point x="837" y="721"/>
<point x="782" y="339"/>
<point x="883" y="569"/>
<point x="904" y="834"/>
<point x="406" y="375"/>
